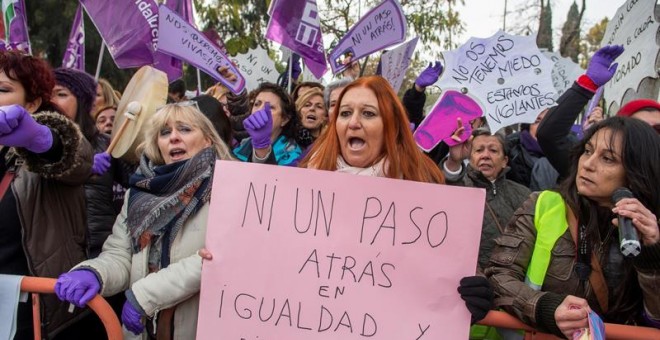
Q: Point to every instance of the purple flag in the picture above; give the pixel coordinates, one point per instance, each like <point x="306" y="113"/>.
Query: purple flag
<point x="128" y="27"/>
<point x="295" y="24"/>
<point x="15" y="26"/>
<point x="383" y="26"/>
<point x="74" y="56"/>
<point x="184" y="8"/>
<point x="179" y="39"/>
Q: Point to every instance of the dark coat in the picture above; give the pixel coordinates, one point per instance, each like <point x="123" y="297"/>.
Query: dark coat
<point x="50" y="199"/>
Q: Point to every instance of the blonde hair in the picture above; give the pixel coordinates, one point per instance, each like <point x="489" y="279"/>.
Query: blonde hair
<point x="307" y="96"/>
<point x="110" y="96"/>
<point x="188" y="114"/>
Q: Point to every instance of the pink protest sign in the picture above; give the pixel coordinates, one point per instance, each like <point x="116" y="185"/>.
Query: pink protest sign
<point x="440" y="122"/>
<point x="307" y="254"/>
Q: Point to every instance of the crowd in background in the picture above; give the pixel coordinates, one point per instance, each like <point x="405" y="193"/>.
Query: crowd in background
<point x="134" y="232"/>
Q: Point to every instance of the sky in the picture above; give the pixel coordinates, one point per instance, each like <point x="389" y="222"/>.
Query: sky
<point x="483" y="18"/>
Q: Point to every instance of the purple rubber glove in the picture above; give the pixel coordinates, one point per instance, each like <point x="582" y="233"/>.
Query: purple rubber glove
<point x="602" y="67"/>
<point x="19" y="129"/>
<point x="430" y="75"/>
<point x="131" y="318"/>
<point x="259" y="126"/>
<point x="296" y="70"/>
<point x="77" y="287"/>
<point x="101" y="163"/>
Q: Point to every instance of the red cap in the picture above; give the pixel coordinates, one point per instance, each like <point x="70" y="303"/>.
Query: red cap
<point x="636" y="105"/>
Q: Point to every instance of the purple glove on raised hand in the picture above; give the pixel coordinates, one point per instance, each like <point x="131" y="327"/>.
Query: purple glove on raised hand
<point x="19" y="129"/>
<point x="601" y="67"/>
<point x="101" y="163"/>
<point x="131" y="318"/>
<point x="430" y="75"/>
<point x="77" y="287"/>
<point x="259" y="126"/>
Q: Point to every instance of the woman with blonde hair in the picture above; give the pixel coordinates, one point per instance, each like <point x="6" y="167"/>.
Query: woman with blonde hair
<point x="312" y="114"/>
<point x="152" y="253"/>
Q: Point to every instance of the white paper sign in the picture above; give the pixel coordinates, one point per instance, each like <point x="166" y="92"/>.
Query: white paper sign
<point x="257" y="67"/>
<point x="508" y="75"/>
<point x="633" y="26"/>
<point x="395" y="62"/>
<point x="564" y="73"/>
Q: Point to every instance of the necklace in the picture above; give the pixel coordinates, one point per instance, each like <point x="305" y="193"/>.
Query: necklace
<point x="607" y="238"/>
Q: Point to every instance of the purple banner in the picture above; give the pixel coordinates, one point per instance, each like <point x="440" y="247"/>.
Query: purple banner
<point x="213" y="35"/>
<point x="128" y="27"/>
<point x="179" y="39"/>
<point x="295" y="24"/>
<point x="74" y="56"/>
<point x="15" y="26"/>
<point x="383" y="26"/>
<point x="184" y="8"/>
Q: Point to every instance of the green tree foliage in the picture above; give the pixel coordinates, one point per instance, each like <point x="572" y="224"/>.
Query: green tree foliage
<point x="569" y="45"/>
<point x="240" y="23"/>
<point x="544" y="37"/>
<point x="591" y="41"/>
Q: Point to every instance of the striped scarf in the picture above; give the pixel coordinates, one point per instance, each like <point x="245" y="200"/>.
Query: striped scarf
<point x="161" y="200"/>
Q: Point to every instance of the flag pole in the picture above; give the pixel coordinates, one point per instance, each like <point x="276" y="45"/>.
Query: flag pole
<point x="199" y="82"/>
<point x="290" y="72"/>
<point x="98" y="64"/>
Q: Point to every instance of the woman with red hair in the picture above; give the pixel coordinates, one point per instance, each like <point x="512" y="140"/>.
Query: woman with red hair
<point x="371" y="136"/>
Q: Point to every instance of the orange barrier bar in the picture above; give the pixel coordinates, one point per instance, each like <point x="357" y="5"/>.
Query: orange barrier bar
<point x="97" y="304"/>
<point x="612" y="331"/>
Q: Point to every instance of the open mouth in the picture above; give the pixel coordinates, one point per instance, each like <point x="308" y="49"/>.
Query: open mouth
<point x="177" y="153"/>
<point x="356" y="143"/>
<point x="311" y="118"/>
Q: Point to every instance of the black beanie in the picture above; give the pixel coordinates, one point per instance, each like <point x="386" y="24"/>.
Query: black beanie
<point x="81" y="85"/>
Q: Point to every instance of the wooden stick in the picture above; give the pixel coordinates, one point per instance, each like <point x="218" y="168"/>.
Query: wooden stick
<point x="132" y="111"/>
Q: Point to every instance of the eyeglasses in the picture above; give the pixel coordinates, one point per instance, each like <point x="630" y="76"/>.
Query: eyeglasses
<point x="181" y="104"/>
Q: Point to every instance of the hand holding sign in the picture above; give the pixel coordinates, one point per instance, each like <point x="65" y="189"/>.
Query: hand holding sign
<point x="439" y="123"/>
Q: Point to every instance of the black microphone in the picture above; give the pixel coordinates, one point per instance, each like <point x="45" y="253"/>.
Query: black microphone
<point x="628" y="237"/>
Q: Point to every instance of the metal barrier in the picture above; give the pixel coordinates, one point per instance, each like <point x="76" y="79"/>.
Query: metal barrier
<point x="612" y="331"/>
<point x="42" y="285"/>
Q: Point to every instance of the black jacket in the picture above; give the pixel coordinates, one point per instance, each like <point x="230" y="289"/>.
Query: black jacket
<point x="413" y="102"/>
<point x="101" y="212"/>
<point x="554" y="132"/>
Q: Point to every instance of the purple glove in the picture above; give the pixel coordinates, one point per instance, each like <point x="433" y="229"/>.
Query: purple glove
<point x="131" y="318"/>
<point x="19" y="129"/>
<point x="259" y="126"/>
<point x="101" y="163"/>
<point x="430" y="75"/>
<point x="77" y="287"/>
<point x="296" y="70"/>
<point x="601" y="67"/>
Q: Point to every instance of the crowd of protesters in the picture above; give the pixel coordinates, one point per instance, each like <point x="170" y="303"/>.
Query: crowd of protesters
<point x="135" y="233"/>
